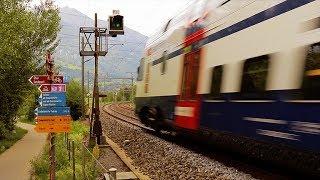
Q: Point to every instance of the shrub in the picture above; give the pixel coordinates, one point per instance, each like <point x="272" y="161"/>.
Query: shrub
<point x="40" y="165"/>
<point x="74" y="93"/>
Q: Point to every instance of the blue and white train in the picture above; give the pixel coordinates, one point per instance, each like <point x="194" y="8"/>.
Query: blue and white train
<point x="246" y="67"/>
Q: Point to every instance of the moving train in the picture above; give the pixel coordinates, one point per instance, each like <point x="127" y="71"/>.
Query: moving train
<point x="249" y="68"/>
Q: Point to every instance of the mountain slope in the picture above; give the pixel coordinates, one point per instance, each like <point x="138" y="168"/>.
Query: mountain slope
<point x="119" y="60"/>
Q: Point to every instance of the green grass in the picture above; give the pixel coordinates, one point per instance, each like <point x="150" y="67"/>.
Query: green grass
<point x="40" y="165"/>
<point x="23" y="119"/>
<point x="12" y="139"/>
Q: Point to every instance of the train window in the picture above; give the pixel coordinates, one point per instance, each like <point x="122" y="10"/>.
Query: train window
<point x="311" y="80"/>
<point x="216" y="81"/>
<point x="140" y="70"/>
<point x="254" y="77"/>
<point x="164" y="62"/>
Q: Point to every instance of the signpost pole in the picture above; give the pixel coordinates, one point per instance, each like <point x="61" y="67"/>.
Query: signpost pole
<point x="49" y="69"/>
<point x="52" y="116"/>
<point x="52" y="155"/>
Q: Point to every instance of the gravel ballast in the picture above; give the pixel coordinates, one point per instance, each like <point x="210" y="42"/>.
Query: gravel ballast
<point x="161" y="159"/>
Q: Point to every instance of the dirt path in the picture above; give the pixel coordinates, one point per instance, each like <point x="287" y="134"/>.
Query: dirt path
<point x="15" y="162"/>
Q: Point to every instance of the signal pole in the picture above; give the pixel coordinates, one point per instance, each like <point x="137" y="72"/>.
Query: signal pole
<point x="100" y="49"/>
<point x="96" y="87"/>
<point x="88" y="86"/>
<point x="82" y="83"/>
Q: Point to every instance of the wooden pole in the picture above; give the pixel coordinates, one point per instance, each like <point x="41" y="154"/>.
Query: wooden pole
<point x="73" y="161"/>
<point x="83" y="160"/>
<point x="69" y="149"/>
<point x="52" y="157"/>
<point x="52" y="171"/>
<point x="96" y="68"/>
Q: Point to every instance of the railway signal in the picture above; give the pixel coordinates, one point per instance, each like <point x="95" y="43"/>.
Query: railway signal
<point x="116" y="24"/>
<point x="100" y="49"/>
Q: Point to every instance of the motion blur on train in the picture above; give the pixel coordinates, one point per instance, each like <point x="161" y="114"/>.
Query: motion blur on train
<point x="248" y="68"/>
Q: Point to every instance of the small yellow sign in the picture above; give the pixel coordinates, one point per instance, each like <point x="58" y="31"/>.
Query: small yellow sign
<point x="52" y="127"/>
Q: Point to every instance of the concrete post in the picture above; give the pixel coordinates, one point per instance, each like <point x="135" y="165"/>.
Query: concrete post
<point x="113" y="173"/>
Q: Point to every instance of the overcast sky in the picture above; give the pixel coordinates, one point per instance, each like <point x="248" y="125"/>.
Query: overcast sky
<point x="144" y="16"/>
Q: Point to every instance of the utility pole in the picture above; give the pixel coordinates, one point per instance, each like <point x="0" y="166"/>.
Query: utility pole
<point x="88" y="88"/>
<point x="100" y="49"/>
<point x="131" y="85"/>
<point x="96" y="86"/>
<point x="82" y="83"/>
<point x="126" y="78"/>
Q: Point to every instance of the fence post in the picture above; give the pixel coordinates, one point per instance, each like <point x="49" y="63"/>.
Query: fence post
<point x="67" y="140"/>
<point x="113" y="173"/>
<point x="73" y="161"/>
<point x="83" y="160"/>
<point x="69" y="149"/>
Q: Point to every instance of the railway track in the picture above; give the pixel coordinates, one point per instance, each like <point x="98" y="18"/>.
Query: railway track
<point x="124" y="115"/>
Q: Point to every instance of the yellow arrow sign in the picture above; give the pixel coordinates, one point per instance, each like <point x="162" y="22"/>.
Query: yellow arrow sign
<point x="53" y="119"/>
<point x="47" y="128"/>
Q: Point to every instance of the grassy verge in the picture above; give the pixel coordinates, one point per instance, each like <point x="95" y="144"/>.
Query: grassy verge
<point x="64" y="170"/>
<point x="24" y="119"/>
<point x="12" y="139"/>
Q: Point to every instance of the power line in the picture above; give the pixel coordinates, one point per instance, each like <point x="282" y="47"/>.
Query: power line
<point x="67" y="35"/>
<point x="71" y="14"/>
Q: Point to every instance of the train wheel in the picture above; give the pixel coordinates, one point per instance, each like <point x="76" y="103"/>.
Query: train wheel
<point x="151" y="118"/>
<point x="143" y="115"/>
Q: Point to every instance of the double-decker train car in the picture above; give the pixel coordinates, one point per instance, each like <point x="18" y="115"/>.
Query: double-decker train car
<point x="250" y="68"/>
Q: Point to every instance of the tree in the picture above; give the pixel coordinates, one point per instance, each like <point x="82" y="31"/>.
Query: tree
<point x="26" y="35"/>
<point x="74" y="94"/>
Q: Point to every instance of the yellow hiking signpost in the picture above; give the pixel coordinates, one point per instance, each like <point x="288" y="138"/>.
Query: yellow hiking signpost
<point x="53" y="119"/>
<point x="52" y="127"/>
<point x="52" y="115"/>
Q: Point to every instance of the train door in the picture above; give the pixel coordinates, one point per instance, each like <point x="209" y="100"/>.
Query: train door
<point x="188" y="105"/>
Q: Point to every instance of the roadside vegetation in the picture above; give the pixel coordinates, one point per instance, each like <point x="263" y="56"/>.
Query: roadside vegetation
<point x="123" y="94"/>
<point x="27" y="33"/>
<point x="12" y="138"/>
<point x="40" y="166"/>
<point x="25" y="113"/>
<point x="74" y="94"/>
<point x="79" y="131"/>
